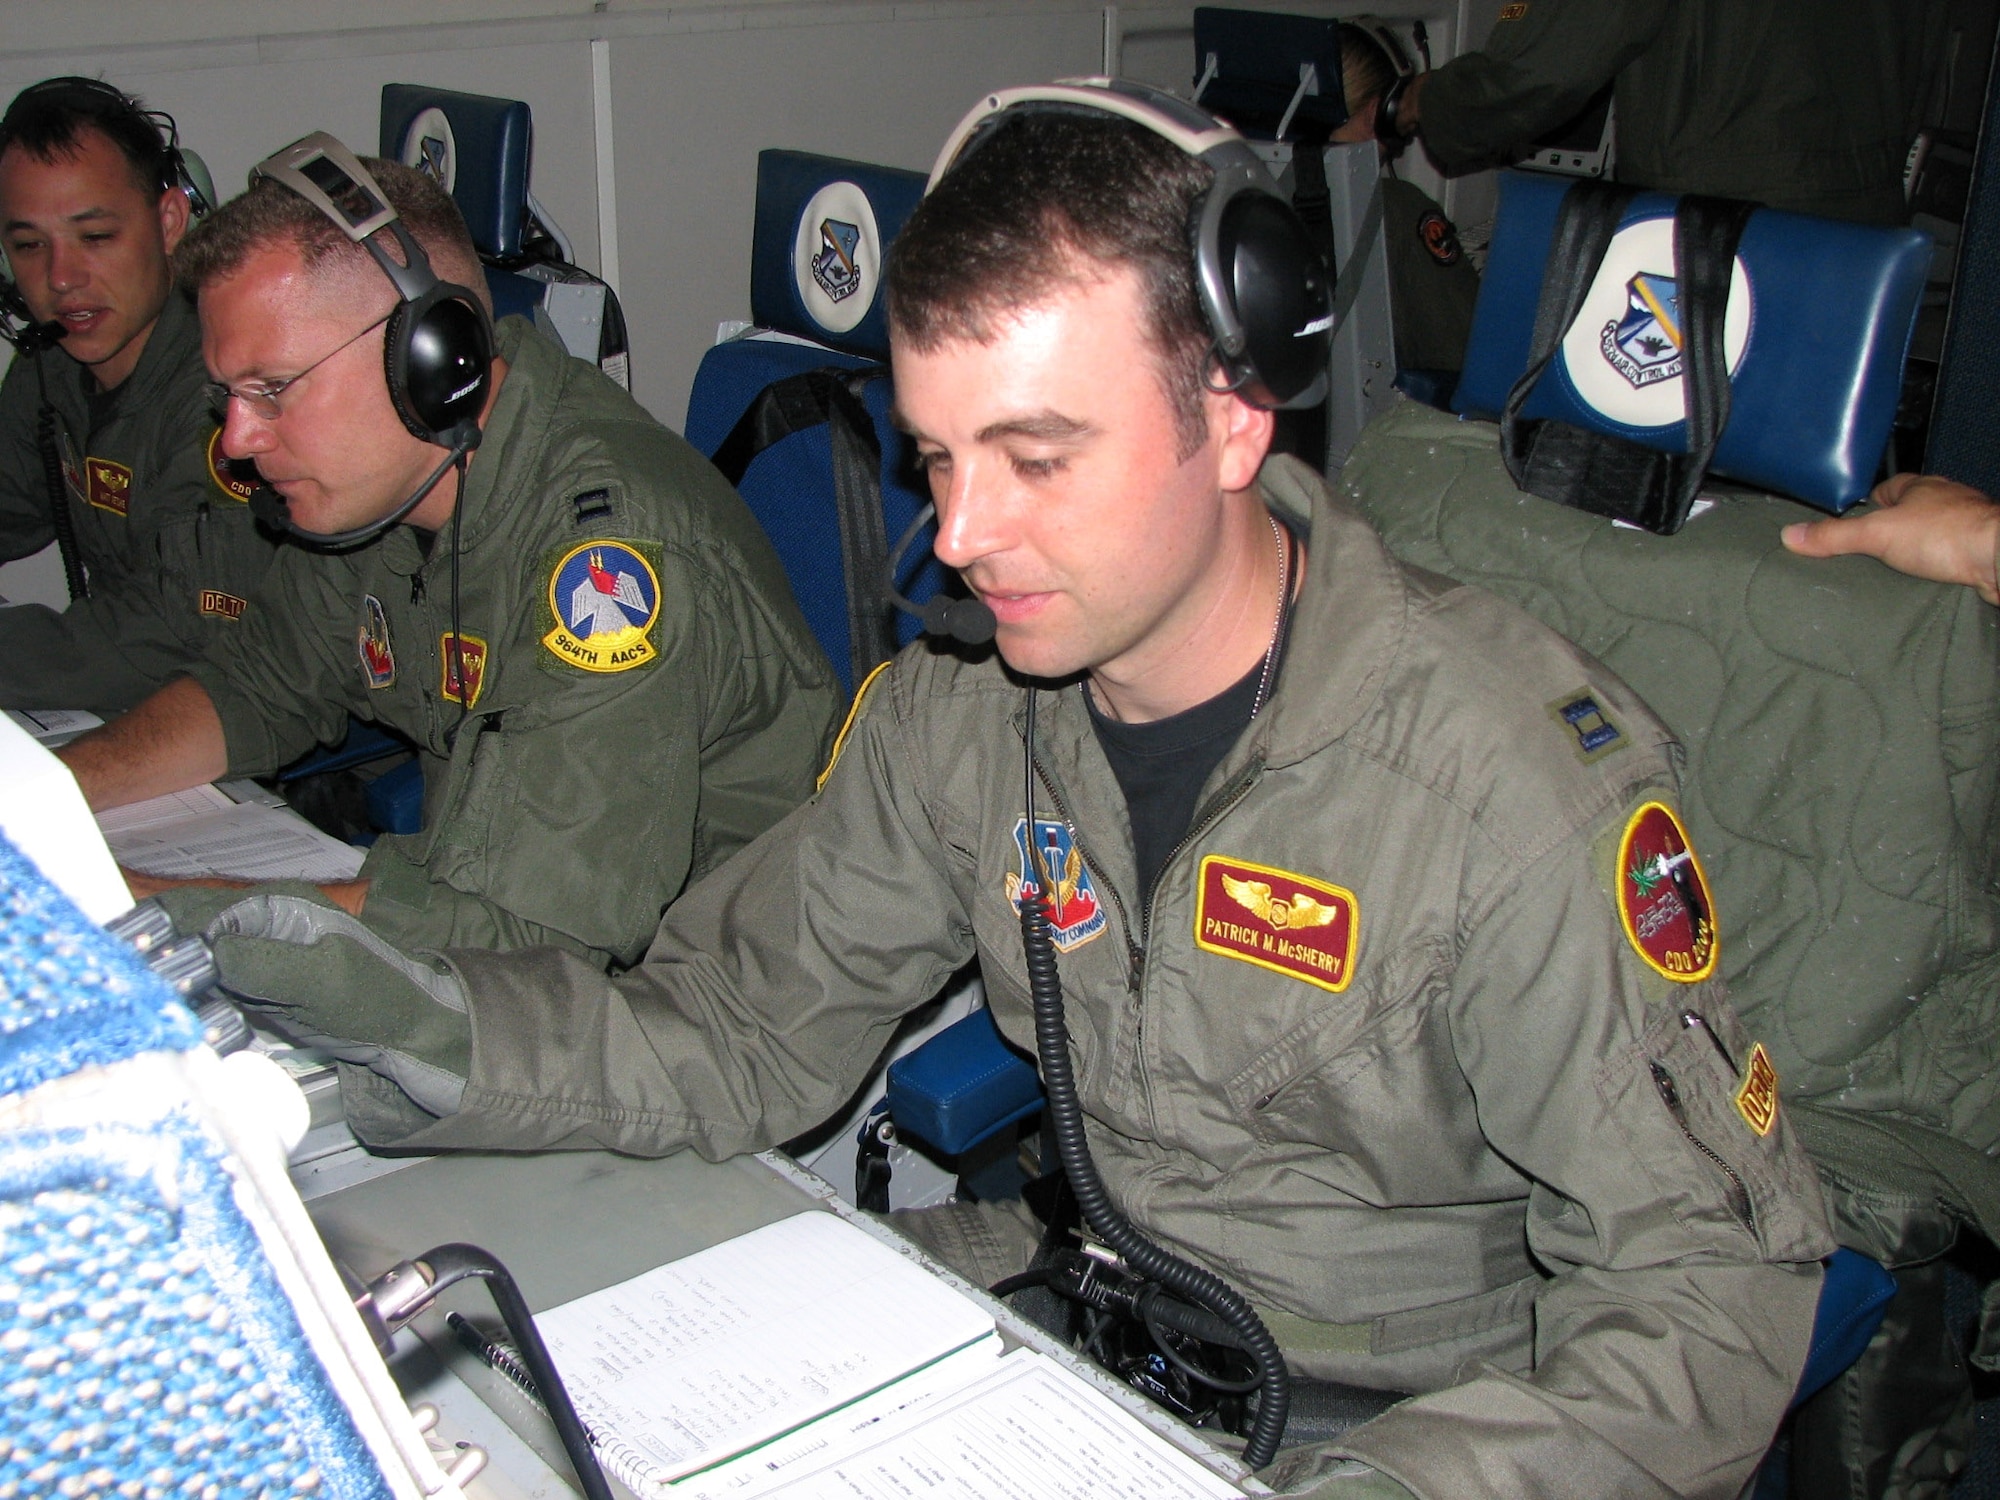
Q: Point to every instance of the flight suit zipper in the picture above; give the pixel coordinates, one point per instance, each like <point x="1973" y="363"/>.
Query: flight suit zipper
<point x="1739" y="1195"/>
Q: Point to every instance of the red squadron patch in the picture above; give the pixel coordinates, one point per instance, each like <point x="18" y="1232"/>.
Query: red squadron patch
<point x="109" y="485"/>
<point x="1277" y="920"/>
<point x="220" y="606"/>
<point x="228" y="472"/>
<point x="1440" y="238"/>
<point x="1663" y="898"/>
<point x="1757" y="1099"/>
<point x="472" y="651"/>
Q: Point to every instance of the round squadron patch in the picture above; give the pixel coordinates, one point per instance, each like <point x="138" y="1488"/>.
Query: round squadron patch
<point x="1663" y="897"/>
<point x="1440" y="238"/>
<point x="235" y="479"/>
<point x="605" y="598"/>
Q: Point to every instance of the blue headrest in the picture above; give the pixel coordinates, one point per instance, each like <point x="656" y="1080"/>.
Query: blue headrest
<point x="476" y="146"/>
<point x="1258" y="55"/>
<point x="823" y="226"/>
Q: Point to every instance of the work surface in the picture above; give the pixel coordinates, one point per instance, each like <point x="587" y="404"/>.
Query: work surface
<point x="566" y="1224"/>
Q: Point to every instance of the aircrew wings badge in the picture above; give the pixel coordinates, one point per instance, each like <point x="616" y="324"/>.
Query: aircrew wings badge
<point x="1075" y="915"/>
<point x="235" y="478"/>
<point x="1663" y="898"/>
<point x="1283" y="922"/>
<point x="110" y="485"/>
<point x="603" y="601"/>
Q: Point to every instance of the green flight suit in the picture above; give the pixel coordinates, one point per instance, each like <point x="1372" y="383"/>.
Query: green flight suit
<point x="1378" y="1049"/>
<point x="641" y="694"/>
<point x="1433" y="286"/>
<point x="1807" y="105"/>
<point x="167" y="541"/>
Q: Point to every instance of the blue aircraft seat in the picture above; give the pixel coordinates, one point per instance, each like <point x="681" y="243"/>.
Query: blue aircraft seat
<point x="481" y="150"/>
<point x="781" y="407"/>
<point x="171" y="1321"/>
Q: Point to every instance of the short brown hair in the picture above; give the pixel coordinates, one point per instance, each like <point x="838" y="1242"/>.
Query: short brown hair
<point x="1040" y="203"/>
<point x="270" y="213"/>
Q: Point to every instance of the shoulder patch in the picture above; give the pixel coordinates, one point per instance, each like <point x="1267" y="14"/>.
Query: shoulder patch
<point x="847" y="726"/>
<point x="227" y="472"/>
<point x="109" y="485"/>
<point x="472" y="651"/>
<point x="1663" y="896"/>
<point x="1277" y="920"/>
<point x="371" y="644"/>
<point x="1440" y="238"/>
<point x="1757" y="1099"/>
<point x="216" y="605"/>
<point x="603" y="601"/>
<point x="1594" y="732"/>
<point x="1075" y="914"/>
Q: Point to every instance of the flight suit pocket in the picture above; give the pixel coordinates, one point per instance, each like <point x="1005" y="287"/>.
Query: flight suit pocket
<point x="1697" y="1103"/>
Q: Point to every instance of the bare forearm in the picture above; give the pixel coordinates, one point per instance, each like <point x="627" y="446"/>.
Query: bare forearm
<point x="171" y="741"/>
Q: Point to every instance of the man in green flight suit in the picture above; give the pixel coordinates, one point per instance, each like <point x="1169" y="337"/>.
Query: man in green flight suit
<point x="582" y="628"/>
<point x="1390" y="971"/>
<point x="159" y="548"/>
<point x="1806" y="105"/>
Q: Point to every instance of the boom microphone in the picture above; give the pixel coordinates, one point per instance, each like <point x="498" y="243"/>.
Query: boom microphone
<point x="965" y="620"/>
<point x="269" y="507"/>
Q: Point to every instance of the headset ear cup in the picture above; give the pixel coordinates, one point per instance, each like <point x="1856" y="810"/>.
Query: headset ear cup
<point x="1281" y="296"/>
<point x="438" y="358"/>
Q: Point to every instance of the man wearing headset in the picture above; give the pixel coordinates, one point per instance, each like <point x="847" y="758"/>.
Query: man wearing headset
<point x="1388" y="967"/>
<point x="107" y="446"/>
<point x="580" y="625"/>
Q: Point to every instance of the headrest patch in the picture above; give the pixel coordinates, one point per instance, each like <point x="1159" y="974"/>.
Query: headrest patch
<point x="837" y="256"/>
<point x="430" y="147"/>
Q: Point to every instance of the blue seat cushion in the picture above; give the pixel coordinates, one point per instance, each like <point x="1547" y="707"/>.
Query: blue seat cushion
<point x="961" y="1086"/>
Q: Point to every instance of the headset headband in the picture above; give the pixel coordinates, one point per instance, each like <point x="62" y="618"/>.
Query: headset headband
<point x="331" y="178"/>
<point x="1262" y="360"/>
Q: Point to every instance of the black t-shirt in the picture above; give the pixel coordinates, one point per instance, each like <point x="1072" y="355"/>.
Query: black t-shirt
<point x="1162" y="765"/>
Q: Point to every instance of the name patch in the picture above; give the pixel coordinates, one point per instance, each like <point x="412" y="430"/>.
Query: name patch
<point x="1757" y="1099"/>
<point x="472" y="652"/>
<point x="604" y="598"/>
<point x="371" y="640"/>
<point x="1280" y="921"/>
<point x="110" y="485"/>
<point x="1663" y="897"/>
<point x="221" y="606"/>
<point x="235" y="478"/>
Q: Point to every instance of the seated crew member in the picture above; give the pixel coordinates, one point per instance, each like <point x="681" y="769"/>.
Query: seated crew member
<point x="1924" y="525"/>
<point x="1434" y="287"/>
<point x="1798" y="104"/>
<point x="592" y="644"/>
<point x="162" y="550"/>
<point x="1389" y="989"/>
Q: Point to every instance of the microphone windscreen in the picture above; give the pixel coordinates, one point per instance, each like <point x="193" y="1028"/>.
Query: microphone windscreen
<point x="269" y="507"/>
<point x="970" y="621"/>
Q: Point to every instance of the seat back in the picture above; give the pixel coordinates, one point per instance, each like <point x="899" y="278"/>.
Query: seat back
<point x="480" y="150"/>
<point x="171" y="1320"/>
<point x="822" y="227"/>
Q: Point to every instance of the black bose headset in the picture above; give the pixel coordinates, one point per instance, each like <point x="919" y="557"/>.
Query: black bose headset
<point x="1264" y="289"/>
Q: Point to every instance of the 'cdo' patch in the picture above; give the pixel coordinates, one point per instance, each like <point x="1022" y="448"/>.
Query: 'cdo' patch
<point x="1277" y="920"/>
<point x="604" y="598"/>
<point x="1663" y="898"/>
<point x="228" y="472"/>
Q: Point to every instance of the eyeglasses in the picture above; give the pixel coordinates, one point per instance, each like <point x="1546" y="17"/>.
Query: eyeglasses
<point x="262" y="397"/>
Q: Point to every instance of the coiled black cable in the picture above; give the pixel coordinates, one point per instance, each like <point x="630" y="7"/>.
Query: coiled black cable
<point x="52" y="476"/>
<point x="1063" y="1118"/>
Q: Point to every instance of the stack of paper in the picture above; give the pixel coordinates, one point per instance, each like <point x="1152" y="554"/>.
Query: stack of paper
<point x="808" y="1359"/>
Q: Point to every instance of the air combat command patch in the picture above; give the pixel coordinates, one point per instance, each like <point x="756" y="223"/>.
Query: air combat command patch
<point x="1280" y="921"/>
<point x="236" y="478"/>
<point x="371" y="644"/>
<point x="1075" y="915"/>
<point x="603" y="601"/>
<point x="1663" y="898"/>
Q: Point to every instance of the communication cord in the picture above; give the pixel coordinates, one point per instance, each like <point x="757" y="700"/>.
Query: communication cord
<point x="52" y="475"/>
<point x="1064" y="1120"/>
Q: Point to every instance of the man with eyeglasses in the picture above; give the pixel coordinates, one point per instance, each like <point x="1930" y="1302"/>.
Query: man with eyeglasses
<point x="106" y="446"/>
<point x="593" y="646"/>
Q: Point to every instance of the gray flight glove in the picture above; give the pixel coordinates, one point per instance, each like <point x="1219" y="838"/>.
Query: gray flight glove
<point x="327" y="981"/>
